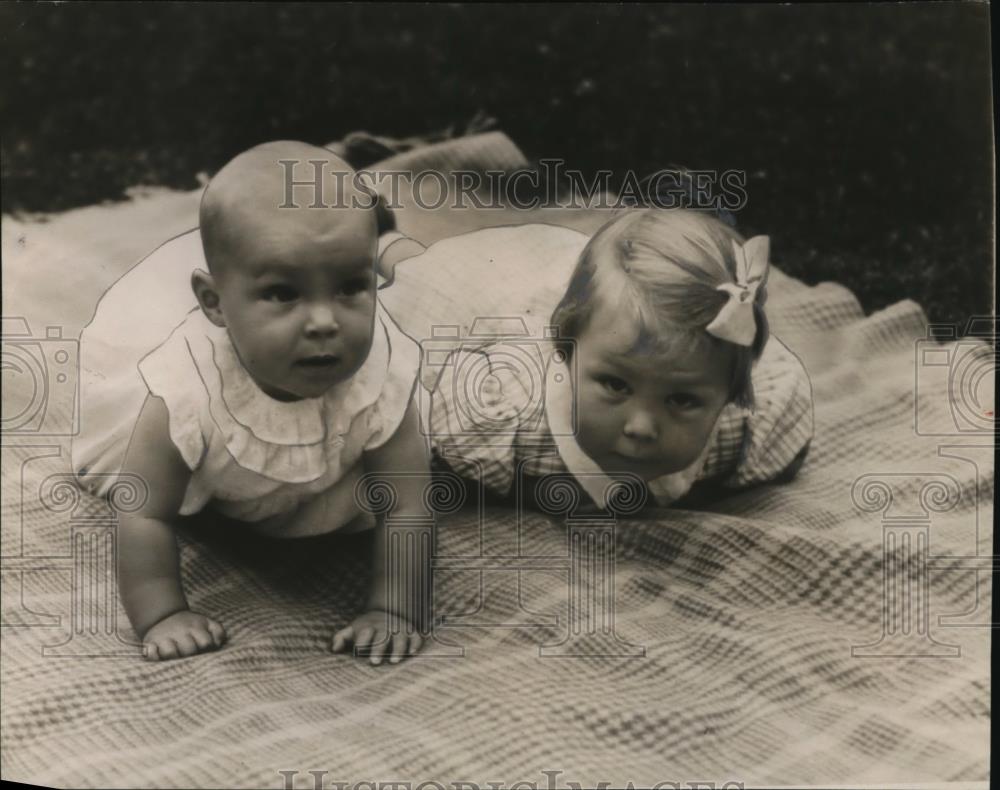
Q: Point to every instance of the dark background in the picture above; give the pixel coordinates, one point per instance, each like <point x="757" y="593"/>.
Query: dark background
<point x="865" y="129"/>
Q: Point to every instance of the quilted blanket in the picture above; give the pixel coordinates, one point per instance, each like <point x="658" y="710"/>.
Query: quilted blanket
<point x="834" y="630"/>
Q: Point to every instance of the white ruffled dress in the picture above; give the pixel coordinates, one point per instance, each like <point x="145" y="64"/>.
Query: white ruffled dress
<point x="288" y="469"/>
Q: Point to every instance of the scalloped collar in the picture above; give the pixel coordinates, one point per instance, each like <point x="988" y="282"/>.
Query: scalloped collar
<point x="289" y="441"/>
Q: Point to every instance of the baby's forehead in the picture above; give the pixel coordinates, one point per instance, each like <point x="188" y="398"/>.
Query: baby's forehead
<point x="248" y="212"/>
<point x="267" y="233"/>
<point x="642" y="350"/>
<point x="263" y="222"/>
<point x="661" y="352"/>
<point x="670" y="371"/>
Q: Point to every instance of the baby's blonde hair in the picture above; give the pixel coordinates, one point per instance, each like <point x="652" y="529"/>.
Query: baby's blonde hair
<point x="667" y="264"/>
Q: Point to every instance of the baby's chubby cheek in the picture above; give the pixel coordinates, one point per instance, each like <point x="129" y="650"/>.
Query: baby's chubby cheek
<point x="359" y="346"/>
<point x="681" y="449"/>
<point x="595" y="433"/>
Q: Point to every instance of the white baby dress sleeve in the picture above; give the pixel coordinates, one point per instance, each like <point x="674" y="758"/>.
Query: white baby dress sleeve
<point x="398" y="389"/>
<point x="170" y="373"/>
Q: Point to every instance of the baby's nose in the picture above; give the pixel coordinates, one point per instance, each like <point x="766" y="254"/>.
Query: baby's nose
<point x="640" y="425"/>
<point x="322" y="320"/>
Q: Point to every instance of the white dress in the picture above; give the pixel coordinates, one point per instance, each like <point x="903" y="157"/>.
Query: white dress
<point x="286" y="468"/>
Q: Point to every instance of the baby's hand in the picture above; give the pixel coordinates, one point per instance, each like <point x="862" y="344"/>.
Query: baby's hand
<point x="378" y="633"/>
<point x="182" y="634"/>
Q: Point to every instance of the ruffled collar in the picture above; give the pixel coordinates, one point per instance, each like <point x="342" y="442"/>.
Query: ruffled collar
<point x="559" y="411"/>
<point x="289" y="441"/>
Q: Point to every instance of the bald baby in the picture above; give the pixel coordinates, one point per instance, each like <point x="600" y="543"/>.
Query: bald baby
<point x="290" y="235"/>
<point x="279" y="190"/>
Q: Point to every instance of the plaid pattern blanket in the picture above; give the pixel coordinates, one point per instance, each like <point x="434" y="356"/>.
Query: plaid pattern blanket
<point x="834" y="630"/>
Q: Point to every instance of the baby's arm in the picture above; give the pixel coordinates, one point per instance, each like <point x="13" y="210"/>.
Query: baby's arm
<point x="393" y="248"/>
<point x="148" y="559"/>
<point x="403" y="459"/>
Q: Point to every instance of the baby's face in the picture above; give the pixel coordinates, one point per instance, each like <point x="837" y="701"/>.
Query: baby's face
<point x="648" y="416"/>
<point x="300" y="305"/>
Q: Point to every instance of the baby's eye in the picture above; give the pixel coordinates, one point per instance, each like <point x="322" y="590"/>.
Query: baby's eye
<point x="684" y="400"/>
<point x="279" y="293"/>
<point x="613" y="385"/>
<point x="355" y="286"/>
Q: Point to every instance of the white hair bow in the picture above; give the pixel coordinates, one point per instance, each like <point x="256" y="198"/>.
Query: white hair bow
<point x="735" y="321"/>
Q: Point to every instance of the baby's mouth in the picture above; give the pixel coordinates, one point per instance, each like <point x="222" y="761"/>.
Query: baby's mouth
<point x="318" y="362"/>
<point x="633" y="459"/>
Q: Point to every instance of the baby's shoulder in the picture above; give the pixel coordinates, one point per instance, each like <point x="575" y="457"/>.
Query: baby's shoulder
<point x="506" y="271"/>
<point x="780" y="379"/>
<point x="509" y="241"/>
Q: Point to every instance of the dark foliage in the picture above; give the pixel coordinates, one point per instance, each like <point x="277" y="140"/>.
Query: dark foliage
<point x="865" y="129"/>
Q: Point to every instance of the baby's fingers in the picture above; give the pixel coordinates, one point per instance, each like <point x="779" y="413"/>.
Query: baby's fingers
<point x="364" y="639"/>
<point x="186" y="643"/>
<point x="165" y="649"/>
<point x="399" y="642"/>
<point x="203" y="639"/>
<point x="218" y="633"/>
<point x="380" y="648"/>
<point x="342" y="638"/>
<point x="371" y="642"/>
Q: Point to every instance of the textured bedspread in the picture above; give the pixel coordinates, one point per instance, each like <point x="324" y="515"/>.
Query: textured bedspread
<point x="833" y="630"/>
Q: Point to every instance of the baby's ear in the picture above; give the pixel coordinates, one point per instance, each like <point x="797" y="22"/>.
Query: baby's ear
<point x="207" y="294"/>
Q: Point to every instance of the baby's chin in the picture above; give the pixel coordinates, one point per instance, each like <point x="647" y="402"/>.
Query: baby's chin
<point x="647" y="470"/>
<point x="317" y="390"/>
<point x="293" y="390"/>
